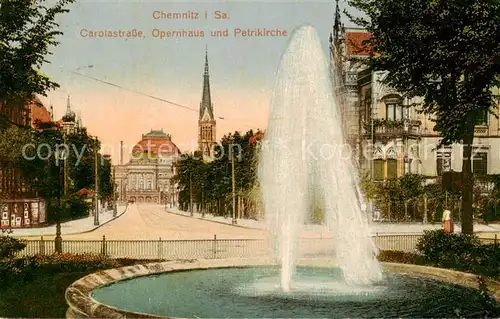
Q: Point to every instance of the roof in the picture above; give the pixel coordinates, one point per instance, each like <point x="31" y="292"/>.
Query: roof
<point x="40" y="116"/>
<point x="354" y="42"/>
<point x="39" y="113"/>
<point x="156" y="133"/>
<point x="85" y="192"/>
<point x="206" y="99"/>
<point x="157" y="143"/>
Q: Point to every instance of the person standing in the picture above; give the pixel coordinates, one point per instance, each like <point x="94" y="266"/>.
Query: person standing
<point x="447" y="221"/>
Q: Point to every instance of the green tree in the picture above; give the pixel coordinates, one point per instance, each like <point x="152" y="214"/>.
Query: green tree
<point x="28" y="31"/>
<point x="105" y="178"/>
<point x="211" y="182"/>
<point x="82" y="165"/>
<point x="447" y="52"/>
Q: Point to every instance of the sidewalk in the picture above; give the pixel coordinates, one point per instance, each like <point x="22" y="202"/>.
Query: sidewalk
<point x="375" y="227"/>
<point x="72" y="227"/>
<point x="247" y="223"/>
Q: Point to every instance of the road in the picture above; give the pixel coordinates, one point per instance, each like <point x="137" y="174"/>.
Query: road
<point x="152" y="222"/>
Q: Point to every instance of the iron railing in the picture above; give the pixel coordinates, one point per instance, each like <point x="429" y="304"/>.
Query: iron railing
<point x="209" y="249"/>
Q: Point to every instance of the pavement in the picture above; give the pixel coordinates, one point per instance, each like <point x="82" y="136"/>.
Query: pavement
<point x="152" y="221"/>
<point x="77" y="226"/>
<point x="380" y="228"/>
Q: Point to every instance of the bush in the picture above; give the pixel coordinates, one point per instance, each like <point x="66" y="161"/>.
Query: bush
<point x="9" y="246"/>
<point x="461" y="252"/>
<point x="442" y="249"/>
<point x="401" y="257"/>
<point x="15" y="270"/>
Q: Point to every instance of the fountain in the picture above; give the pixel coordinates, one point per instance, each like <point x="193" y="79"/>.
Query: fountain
<point x="303" y="160"/>
<point x="295" y="171"/>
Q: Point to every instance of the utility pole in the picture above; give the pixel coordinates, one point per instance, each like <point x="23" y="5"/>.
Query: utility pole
<point x="61" y="156"/>
<point x="115" y="209"/>
<point x="234" y="222"/>
<point x="66" y="156"/>
<point x="191" y="193"/>
<point x="96" y="158"/>
<point x="202" y="203"/>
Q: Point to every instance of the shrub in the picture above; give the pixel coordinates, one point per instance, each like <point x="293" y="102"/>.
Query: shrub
<point x="461" y="252"/>
<point x="443" y="249"/>
<point x="9" y="246"/>
<point x="16" y="270"/>
<point x="396" y="256"/>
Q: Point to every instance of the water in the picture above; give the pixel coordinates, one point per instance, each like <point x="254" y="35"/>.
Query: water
<point x="252" y="293"/>
<point x="305" y="159"/>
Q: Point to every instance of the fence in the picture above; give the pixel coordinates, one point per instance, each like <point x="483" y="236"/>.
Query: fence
<point x="208" y="249"/>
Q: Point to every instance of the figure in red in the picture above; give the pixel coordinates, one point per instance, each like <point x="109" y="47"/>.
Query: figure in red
<point x="447" y="222"/>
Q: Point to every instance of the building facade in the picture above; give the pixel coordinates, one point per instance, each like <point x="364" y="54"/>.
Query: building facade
<point x="206" y="120"/>
<point x="20" y="207"/>
<point x="389" y="133"/>
<point x="148" y="176"/>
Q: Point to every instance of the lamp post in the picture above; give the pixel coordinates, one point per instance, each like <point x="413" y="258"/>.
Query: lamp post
<point x="202" y="202"/>
<point x="191" y="193"/>
<point x="96" y="158"/>
<point x="61" y="155"/>
<point x="115" y="209"/>
<point x="234" y="221"/>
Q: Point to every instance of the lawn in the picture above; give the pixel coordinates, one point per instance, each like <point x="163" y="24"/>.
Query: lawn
<point x="40" y="298"/>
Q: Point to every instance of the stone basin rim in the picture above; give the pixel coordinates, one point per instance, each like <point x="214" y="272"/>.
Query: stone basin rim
<point x="82" y="305"/>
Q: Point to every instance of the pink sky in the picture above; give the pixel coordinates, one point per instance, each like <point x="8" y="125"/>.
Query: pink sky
<point x="116" y="115"/>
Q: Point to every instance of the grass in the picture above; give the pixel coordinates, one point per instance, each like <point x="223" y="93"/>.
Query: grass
<point x="40" y="298"/>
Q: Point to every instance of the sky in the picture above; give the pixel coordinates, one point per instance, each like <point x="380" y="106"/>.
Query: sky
<point x="242" y="69"/>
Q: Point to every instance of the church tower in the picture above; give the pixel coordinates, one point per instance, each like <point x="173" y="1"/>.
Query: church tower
<point x="206" y="121"/>
<point x="69" y="119"/>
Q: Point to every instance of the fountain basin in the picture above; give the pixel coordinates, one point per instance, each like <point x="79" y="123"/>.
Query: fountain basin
<point x="83" y="303"/>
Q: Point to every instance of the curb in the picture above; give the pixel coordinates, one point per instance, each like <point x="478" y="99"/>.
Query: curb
<point x="100" y="224"/>
<point x="213" y="221"/>
<point x="77" y="233"/>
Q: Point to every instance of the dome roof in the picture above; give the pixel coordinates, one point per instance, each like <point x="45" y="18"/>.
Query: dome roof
<point x="157" y="143"/>
<point x="69" y="117"/>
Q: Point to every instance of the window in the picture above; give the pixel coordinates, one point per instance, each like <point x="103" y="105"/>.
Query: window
<point x="390" y="112"/>
<point x="394" y="112"/>
<point x="443" y="163"/>
<point x="482" y="117"/>
<point x="378" y="169"/>
<point x="480" y="164"/>
<point x="392" y="168"/>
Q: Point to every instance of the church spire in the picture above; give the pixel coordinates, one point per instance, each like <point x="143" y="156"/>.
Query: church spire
<point x="70" y="116"/>
<point x="206" y="122"/>
<point x="206" y="100"/>
<point x="337" y="22"/>
<point x="68" y="105"/>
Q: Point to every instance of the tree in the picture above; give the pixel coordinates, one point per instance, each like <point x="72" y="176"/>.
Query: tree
<point x="210" y="184"/>
<point x="28" y="30"/>
<point x="447" y="52"/>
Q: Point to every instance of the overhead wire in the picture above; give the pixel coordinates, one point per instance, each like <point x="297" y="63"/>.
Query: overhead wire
<point x="134" y="91"/>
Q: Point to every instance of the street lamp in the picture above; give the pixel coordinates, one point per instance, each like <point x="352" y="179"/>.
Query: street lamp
<point x="61" y="154"/>
<point x="96" y="158"/>
<point x="191" y="193"/>
<point x="115" y="209"/>
<point x="234" y="221"/>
